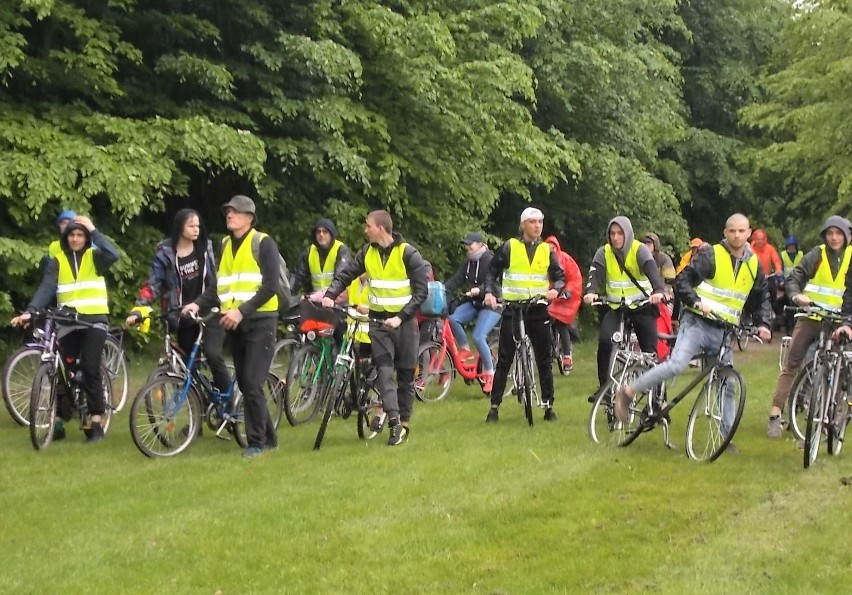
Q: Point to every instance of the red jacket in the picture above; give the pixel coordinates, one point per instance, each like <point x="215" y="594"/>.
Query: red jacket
<point x="561" y="309"/>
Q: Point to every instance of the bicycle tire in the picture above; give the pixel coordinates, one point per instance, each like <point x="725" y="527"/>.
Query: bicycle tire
<point x="433" y="373"/>
<point x="525" y="366"/>
<point x="238" y="422"/>
<point x="273" y="390"/>
<point x="815" y="416"/>
<point x="284" y="350"/>
<point x="797" y="402"/>
<point x="42" y="408"/>
<point x="109" y="405"/>
<point x="837" y="426"/>
<point x="115" y="361"/>
<point x="330" y="402"/>
<point x="159" y="428"/>
<point x="368" y="401"/>
<point x="604" y="428"/>
<point x="712" y="407"/>
<point x="303" y="388"/>
<point x="18" y="375"/>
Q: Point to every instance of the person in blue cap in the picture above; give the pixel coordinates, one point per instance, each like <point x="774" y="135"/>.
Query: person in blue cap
<point x="62" y="220"/>
<point x="790" y="258"/>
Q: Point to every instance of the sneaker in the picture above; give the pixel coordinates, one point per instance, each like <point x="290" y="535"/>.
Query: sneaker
<point x="59" y="431"/>
<point x="493" y="416"/>
<point x="549" y="414"/>
<point x="621" y="405"/>
<point x="466" y="355"/>
<point x="775" y="423"/>
<point x="377" y="424"/>
<point x="398" y="434"/>
<point x="488" y="382"/>
<point x="568" y="362"/>
<point x="732" y="449"/>
<point x="252" y="451"/>
<point x="95" y="433"/>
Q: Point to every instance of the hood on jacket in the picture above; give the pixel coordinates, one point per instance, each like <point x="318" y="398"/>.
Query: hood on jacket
<point x="791" y="241"/>
<point x="181" y="217"/>
<point x="840" y="223"/>
<point x="327" y="224"/>
<point x="72" y="225"/>
<point x="758" y="239"/>
<point x="654" y="238"/>
<point x="554" y="242"/>
<point x="623" y="223"/>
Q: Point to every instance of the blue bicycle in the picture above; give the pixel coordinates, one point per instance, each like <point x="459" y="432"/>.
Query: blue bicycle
<point x="169" y="410"/>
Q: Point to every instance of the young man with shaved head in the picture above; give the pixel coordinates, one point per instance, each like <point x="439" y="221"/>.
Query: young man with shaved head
<point x="723" y="280"/>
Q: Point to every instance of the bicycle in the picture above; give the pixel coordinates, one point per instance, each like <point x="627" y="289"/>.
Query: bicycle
<point x="558" y="353"/>
<point x="167" y="413"/>
<point x="438" y="362"/>
<point x="718" y="407"/>
<point x="20" y="369"/>
<point x="362" y="394"/>
<point x="803" y="384"/>
<point x="54" y="369"/>
<point x="311" y="362"/>
<point x="285" y="347"/>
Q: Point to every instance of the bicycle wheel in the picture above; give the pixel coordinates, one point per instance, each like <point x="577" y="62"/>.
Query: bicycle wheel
<point x="797" y="403"/>
<point x="238" y="421"/>
<point x="115" y="361"/>
<point x="369" y="406"/>
<point x="837" y="427"/>
<point x="433" y="373"/>
<point x="304" y="385"/>
<point x="743" y="338"/>
<point x="273" y="390"/>
<point x="42" y="407"/>
<point x="815" y="415"/>
<point x="18" y="375"/>
<point x="330" y="403"/>
<point x="527" y="387"/>
<point x="161" y="423"/>
<point x="284" y="350"/>
<point x="715" y="415"/>
<point x="604" y="428"/>
<point x="109" y="399"/>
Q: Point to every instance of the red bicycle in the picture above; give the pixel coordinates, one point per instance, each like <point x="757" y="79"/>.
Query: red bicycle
<point x="438" y="362"/>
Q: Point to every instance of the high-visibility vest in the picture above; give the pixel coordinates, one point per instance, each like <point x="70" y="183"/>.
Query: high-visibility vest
<point x="321" y="276"/>
<point x="390" y="287"/>
<point x="524" y="279"/>
<point x="359" y="296"/>
<point x="723" y="292"/>
<point x="619" y="286"/>
<point x="239" y="276"/>
<point x="790" y="264"/>
<point x="823" y="289"/>
<point x="54" y="248"/>
<point x="87" y="292"/>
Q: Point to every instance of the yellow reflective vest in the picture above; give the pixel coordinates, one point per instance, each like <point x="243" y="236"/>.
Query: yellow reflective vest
<point x="321" y="276"/>
<point x="790" y="264"/>
<point x="619" y="286"/>
<point x="723" y="292"/>
<point x="389" y="287"/>
<point x="359" y="296"/>
<point x="823" y="289"/>
<point x="239" y="276"/>
<point x="87" y="292"/>
<point x="524" y="279"/>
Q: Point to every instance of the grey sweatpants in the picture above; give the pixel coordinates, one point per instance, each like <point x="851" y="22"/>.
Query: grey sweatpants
<point x="395" y="349"/>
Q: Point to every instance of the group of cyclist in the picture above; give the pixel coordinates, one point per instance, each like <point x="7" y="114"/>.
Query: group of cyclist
<point x="387" y="278"/>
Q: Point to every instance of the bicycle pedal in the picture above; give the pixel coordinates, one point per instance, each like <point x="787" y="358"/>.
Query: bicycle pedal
<point x="223" y="427"/>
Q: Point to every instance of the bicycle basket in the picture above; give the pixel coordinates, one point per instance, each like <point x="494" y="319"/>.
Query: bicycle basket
<point x="316" y="318"/>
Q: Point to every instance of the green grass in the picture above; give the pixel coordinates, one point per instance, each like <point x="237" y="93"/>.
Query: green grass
<point x="463" y="507"/>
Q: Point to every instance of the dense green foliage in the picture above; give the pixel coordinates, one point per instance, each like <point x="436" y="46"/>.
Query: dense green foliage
<point x="451" y="114"/>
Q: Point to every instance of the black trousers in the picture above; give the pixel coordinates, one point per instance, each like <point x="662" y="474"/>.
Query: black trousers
<point x="88" y="345"/>
<point x="538" y="329"/>
<point x="253" y="345"/>
<point x="212" y="341"/>
<point x="644" y="321"/>
<point x="395" y="349"/>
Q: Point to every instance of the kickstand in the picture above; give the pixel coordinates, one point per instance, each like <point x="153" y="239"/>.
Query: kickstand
<point x="665" y="424"/>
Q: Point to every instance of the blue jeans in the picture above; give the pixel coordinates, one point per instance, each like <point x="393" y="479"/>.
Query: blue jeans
<point x="695" y="337"/>
<point x="486" y="319"/>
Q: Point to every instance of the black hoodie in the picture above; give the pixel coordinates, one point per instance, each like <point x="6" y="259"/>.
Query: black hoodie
<point x="300" y="279"/>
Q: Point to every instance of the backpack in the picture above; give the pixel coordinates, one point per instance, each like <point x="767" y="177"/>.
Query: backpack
<point x="285" y="296"/>
<point x="436" y="300"/>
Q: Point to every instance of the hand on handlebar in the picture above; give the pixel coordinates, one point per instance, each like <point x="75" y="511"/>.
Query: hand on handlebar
<point x="490" y="301"/>
<point x="705" y="308"/>
<point x="327" y="302"/>
<point x="21" y="320"/>
<point x="656" y="298"/>
<point x="844" y="330"/>
<point x="590" y="298"/>
<point x="764" y="333"/>
<point x="551" y="294"/>
<point x="802" y="300"/>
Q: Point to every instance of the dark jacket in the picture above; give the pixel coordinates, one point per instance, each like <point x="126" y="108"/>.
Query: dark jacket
<point x="300" y="279"/>
<point x="415" y="267"/>
<point x="164" y="282"/>
<point x="703" y="266"/>
<point x="501" y="261"/>
<point x="471" y="274"/>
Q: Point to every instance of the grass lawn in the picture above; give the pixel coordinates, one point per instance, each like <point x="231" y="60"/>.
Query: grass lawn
<point x="462" y="507"/>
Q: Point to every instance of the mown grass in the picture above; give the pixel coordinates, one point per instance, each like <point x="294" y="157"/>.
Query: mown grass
<point x="463" y="507"/>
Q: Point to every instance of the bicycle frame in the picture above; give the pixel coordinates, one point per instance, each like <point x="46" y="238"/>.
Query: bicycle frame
<point x="470" y="370"/>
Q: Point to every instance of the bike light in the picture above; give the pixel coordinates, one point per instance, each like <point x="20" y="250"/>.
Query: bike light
<point x="311" y="335"/>
<point x="616" y="337"/>
<point x="38" y="334"/>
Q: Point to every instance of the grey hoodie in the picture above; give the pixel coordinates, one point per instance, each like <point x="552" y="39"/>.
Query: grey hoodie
<point x="644" y="258"/>
<point x="795" y="282"/>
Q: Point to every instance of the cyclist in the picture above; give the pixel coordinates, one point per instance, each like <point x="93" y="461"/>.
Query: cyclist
<point x="819" y="278"/>
<point x="563" y="310"/>
<point x="247" y="289"/>
<point x="626" y="269"/>
<point x="725" y="280"/>
<point x="182" y="268"/>
<point x="470" y="276"/>
<point x="63" y="219"/>
<point x="695" y="244"/>
<point x="790" y="257"/>
<point x="397" y="277"/>
<point x="527" y="268"/>
<point x="667" y="272"/>
<point x="771" y="263"/>
<point x="74" y="277"/>
<point x="324" y="257"/>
